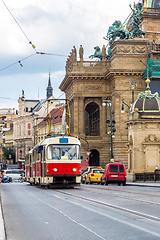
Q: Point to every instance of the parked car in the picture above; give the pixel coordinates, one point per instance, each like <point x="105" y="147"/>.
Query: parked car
<point x="84" y="165"/>
<point x="114" y="173"/>
<point x="86" y="171"/>
<point x="94" y="176"/>
<point x="15" y="174"/>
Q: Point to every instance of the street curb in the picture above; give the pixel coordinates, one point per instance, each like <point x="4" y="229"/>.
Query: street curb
<point x="143" y="184"/>
<point x="2" y="229"/>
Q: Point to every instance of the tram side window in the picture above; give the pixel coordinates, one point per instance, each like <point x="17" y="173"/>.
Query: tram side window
<point x="53" y="152"/>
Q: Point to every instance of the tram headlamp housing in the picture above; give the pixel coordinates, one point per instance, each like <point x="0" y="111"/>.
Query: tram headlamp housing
<point x="55" y="169"/>
<point x="74" y="169"/>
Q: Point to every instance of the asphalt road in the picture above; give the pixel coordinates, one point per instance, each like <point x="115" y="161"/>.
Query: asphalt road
<point x="87" y="212"/>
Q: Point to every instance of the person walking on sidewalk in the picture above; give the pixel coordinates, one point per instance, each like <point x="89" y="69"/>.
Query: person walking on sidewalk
<point x="0" y="177"/>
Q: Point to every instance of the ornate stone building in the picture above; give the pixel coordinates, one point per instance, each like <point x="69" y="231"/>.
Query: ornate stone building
<point x="88" y="83"/>
<point x="31" y="113"/>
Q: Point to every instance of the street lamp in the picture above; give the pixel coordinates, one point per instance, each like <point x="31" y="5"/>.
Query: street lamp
<point x="111" y="125"/>
<point x="87" y="145"/>
<point x="132" y="88"/>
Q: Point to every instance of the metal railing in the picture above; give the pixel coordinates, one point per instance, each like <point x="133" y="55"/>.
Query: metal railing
<point x="147" y="176"/>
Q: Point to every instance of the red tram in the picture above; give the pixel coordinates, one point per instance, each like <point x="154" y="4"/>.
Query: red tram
<point x="55" y="161"/>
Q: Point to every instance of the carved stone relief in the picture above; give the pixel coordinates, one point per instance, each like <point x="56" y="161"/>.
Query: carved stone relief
<point x="152" y="126"/>
<point x="70" y="91"/>
<point x="93" y="87"/>
<point x="131" y="49"/>
<point x="151" y="138"/>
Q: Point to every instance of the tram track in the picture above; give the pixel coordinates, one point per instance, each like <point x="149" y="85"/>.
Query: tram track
<point x="129" y="198"/>
<point x="120" y="190"/>
<point x="135" y="213"/>
<point x="128" y="192"/>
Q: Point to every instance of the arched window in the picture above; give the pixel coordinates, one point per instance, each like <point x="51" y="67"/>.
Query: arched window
<point x="29" y="132"/>
<point x="92" y="119"/>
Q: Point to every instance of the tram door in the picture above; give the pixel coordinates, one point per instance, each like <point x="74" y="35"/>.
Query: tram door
<point x="30" y="163"/>
<point x="43" y="164"/>
<point x="94" y="158"/>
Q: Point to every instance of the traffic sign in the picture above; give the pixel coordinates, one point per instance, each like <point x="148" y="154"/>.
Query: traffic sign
<point x="88" y="153"/>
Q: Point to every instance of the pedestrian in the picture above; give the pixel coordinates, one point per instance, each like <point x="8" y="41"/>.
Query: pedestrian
<point x="0" y="177"/>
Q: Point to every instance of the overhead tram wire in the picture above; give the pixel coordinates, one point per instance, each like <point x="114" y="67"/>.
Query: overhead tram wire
<point x="19" y="62"/>
<point x="52" y="54"/>
<point x="9" y="98"/>
<point x="38" y="53"/>
<point x="33" y="46"/>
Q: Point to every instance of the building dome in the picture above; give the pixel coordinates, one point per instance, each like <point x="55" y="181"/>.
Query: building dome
<point x="147" y="104"/>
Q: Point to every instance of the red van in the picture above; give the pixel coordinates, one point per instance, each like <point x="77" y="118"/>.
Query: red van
<point x="114" y="173"/>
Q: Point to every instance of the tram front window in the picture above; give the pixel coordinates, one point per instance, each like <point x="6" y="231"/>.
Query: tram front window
<point x="63" y="152"/>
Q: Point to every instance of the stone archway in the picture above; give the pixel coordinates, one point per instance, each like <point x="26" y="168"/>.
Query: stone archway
<point x="92" y="119"/>
<point x="94" y="158"/>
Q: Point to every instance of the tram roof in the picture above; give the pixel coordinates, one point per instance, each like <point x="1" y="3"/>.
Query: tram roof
<point x="52" y="139"/>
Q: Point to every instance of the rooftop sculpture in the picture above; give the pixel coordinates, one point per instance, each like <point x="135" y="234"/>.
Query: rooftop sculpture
<point x="136" y="25"/>
<point x="97" y="53"/>
<point x="117" y="30"/>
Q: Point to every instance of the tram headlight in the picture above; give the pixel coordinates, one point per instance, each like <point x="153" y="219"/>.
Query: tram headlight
<point x="55" y="169"/>
<point x="74" y="169"/>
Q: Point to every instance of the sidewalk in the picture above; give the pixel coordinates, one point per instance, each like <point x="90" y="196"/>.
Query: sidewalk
<point x="144" y="184"/>
<point x="2" y="232"/>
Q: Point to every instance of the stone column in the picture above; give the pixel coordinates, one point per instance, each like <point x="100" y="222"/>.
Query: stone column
<point x="103" y="119"/>
<point x="76" y="116"/>
<point x="81" y="116"/>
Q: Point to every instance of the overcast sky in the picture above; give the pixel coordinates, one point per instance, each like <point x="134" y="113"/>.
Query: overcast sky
<point x="53" y="27"/>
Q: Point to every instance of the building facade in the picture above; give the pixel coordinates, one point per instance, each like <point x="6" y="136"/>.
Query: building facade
<point x="51" y="124"/>
<point x="31" y="113"/>
<point x="87" y="84"/>
<point x="7" y="115"/>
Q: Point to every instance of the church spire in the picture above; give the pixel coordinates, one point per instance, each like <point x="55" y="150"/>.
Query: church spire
<point x="49" y="88"/>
